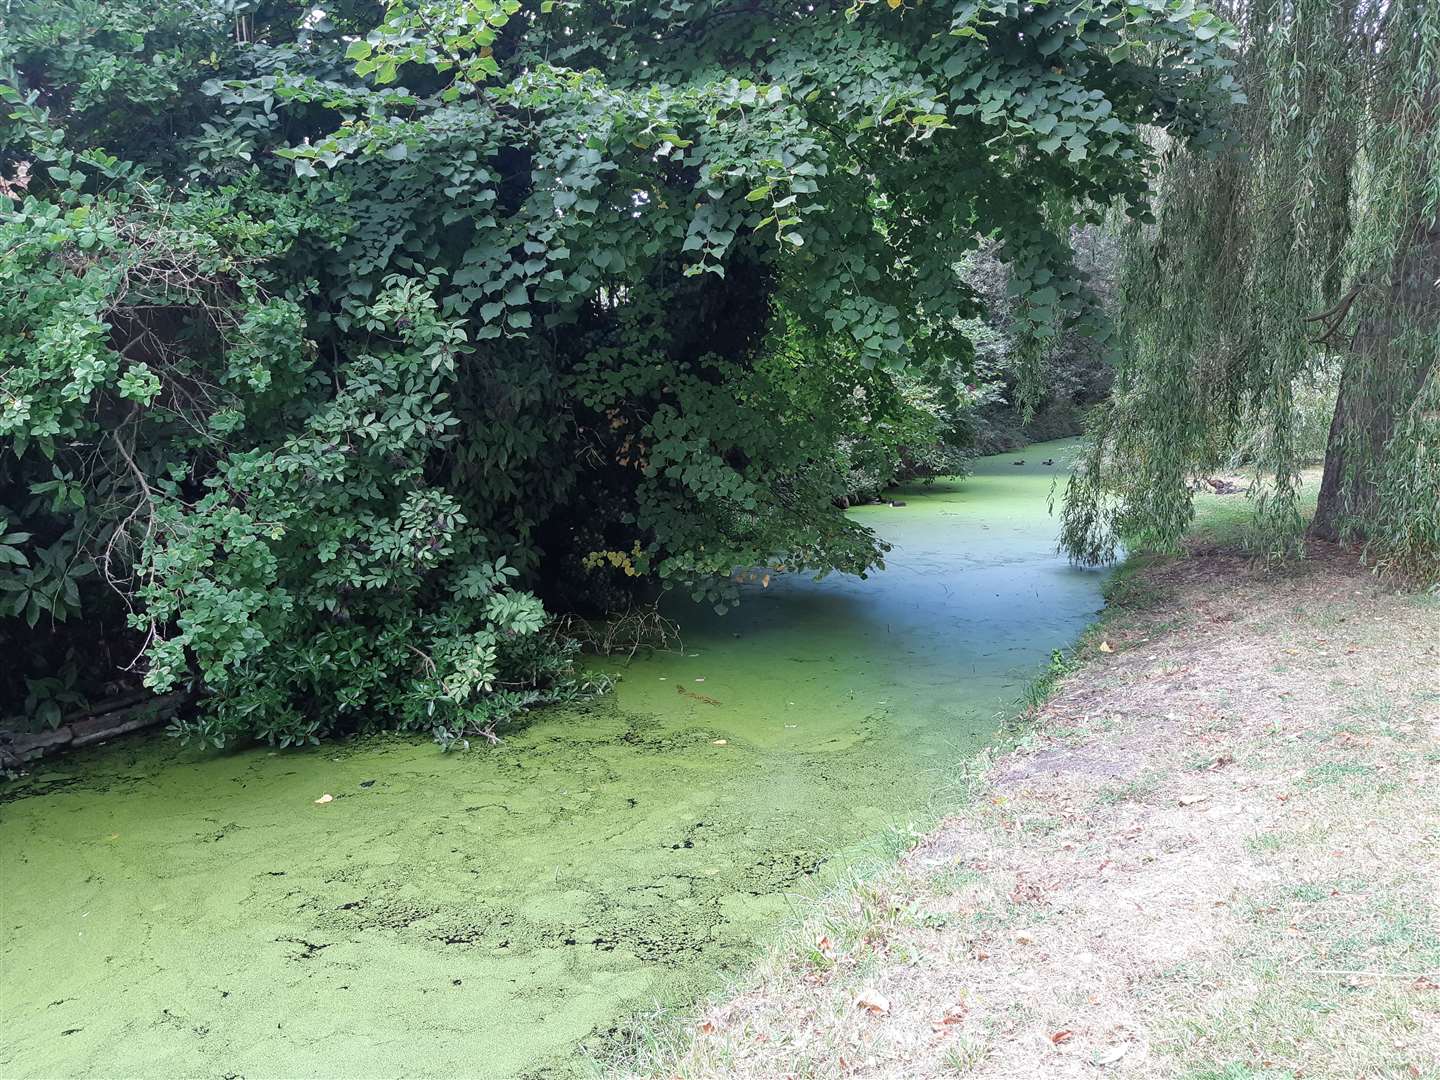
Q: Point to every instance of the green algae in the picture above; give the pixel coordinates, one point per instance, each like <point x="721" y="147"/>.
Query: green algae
<point x="485" y="913"/>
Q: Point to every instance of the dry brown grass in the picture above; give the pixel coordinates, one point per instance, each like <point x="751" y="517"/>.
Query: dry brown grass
<point x="1215" y="856"/>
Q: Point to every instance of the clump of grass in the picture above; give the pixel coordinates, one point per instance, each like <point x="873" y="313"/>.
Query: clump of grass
<point x="1136" y="790"/>
<point x="965" y="1057"/>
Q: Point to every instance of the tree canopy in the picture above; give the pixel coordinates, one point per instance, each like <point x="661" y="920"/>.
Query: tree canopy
<point x="1309" y="242"/>
<point x="342" y="343"/>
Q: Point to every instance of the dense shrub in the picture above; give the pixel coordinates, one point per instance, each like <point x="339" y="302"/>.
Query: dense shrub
<point x="342" y="343"/>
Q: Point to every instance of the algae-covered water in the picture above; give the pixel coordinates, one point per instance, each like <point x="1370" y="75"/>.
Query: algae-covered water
<point x="487" y="913"/>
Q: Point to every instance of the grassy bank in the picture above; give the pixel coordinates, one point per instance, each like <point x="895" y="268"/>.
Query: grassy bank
<point x="1211" y="852"/>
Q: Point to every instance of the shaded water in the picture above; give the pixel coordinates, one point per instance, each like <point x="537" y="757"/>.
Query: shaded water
<point x="484" y="913"/>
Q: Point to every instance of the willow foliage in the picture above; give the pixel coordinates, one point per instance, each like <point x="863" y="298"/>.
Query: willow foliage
<point x="1311" y="240"/>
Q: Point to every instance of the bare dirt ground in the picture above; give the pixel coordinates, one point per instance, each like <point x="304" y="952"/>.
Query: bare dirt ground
<point x="1213" y="854"/>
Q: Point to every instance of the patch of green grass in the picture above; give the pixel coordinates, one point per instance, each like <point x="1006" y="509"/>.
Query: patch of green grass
<point x="967" y="1055"/>
<point x="1238" y="1070"/>
<point x="1425" y="697"/>
<point x="1041" y="826"/>
<point x="1334" y="772"/>
<point x="1275" y="1024"/>
<point x="954" y="879"/>
<point x="935" y="920"/>
<point x="1042" y="687"/>
<point x="1225" y="521"/>
<point x="896" y="840"/>
<point x="1131" y="791"/>
<point x="1129" y="588"/>
<point x="1268" y="842"/>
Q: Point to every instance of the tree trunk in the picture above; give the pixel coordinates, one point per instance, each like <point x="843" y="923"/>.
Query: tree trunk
<point x="1380" y="381"/>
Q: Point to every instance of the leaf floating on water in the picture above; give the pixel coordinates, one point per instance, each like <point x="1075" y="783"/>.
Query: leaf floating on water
<point x="873" y="1002"/>
<point x="323" y="799"/>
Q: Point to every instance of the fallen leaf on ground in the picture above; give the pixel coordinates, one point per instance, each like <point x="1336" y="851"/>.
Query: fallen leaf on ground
<point x="1061" y="1036"/>
<point x="719" y="742"/>
<point x="706" y="1027"/>
<point x="323" y="799"/>
<point x="1191" y="800"/>
<point x="1111" y="1055"/>
<point x="1105" y="646"/>
<point x="951" y="1016"/>
<point x="825" y="947"/>
<point x="873" y="1002"/>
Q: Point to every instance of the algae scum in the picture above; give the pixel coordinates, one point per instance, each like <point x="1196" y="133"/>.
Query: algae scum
<point x="488" y="913"/>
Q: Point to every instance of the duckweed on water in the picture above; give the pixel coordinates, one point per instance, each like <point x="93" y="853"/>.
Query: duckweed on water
<point x="485" y="913"/>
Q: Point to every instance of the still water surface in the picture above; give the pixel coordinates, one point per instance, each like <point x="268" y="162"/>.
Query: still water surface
<point x="486" y="913"/>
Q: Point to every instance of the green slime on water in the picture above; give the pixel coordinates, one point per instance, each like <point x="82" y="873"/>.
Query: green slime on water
<point x="485" y="913"/>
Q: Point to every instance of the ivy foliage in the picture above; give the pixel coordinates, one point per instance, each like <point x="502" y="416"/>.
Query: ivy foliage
<point x="343" y="342"/>
<point x="1307" y="246"/>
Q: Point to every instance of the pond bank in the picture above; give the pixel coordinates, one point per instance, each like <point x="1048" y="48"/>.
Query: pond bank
<point x="1211" y="854"/>
<point x="182" y="913"/>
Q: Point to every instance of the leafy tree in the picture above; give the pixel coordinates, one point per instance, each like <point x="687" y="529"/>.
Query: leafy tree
<point x="1311" y="242"/>
<point x="1027" y="398"/>
<point x="339" y="338"/>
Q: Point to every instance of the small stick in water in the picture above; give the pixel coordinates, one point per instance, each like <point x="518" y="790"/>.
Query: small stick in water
<point x="698" y="697"/>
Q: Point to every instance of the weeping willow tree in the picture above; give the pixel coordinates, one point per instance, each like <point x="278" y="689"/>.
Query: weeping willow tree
<point x="1311" y="240"/>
